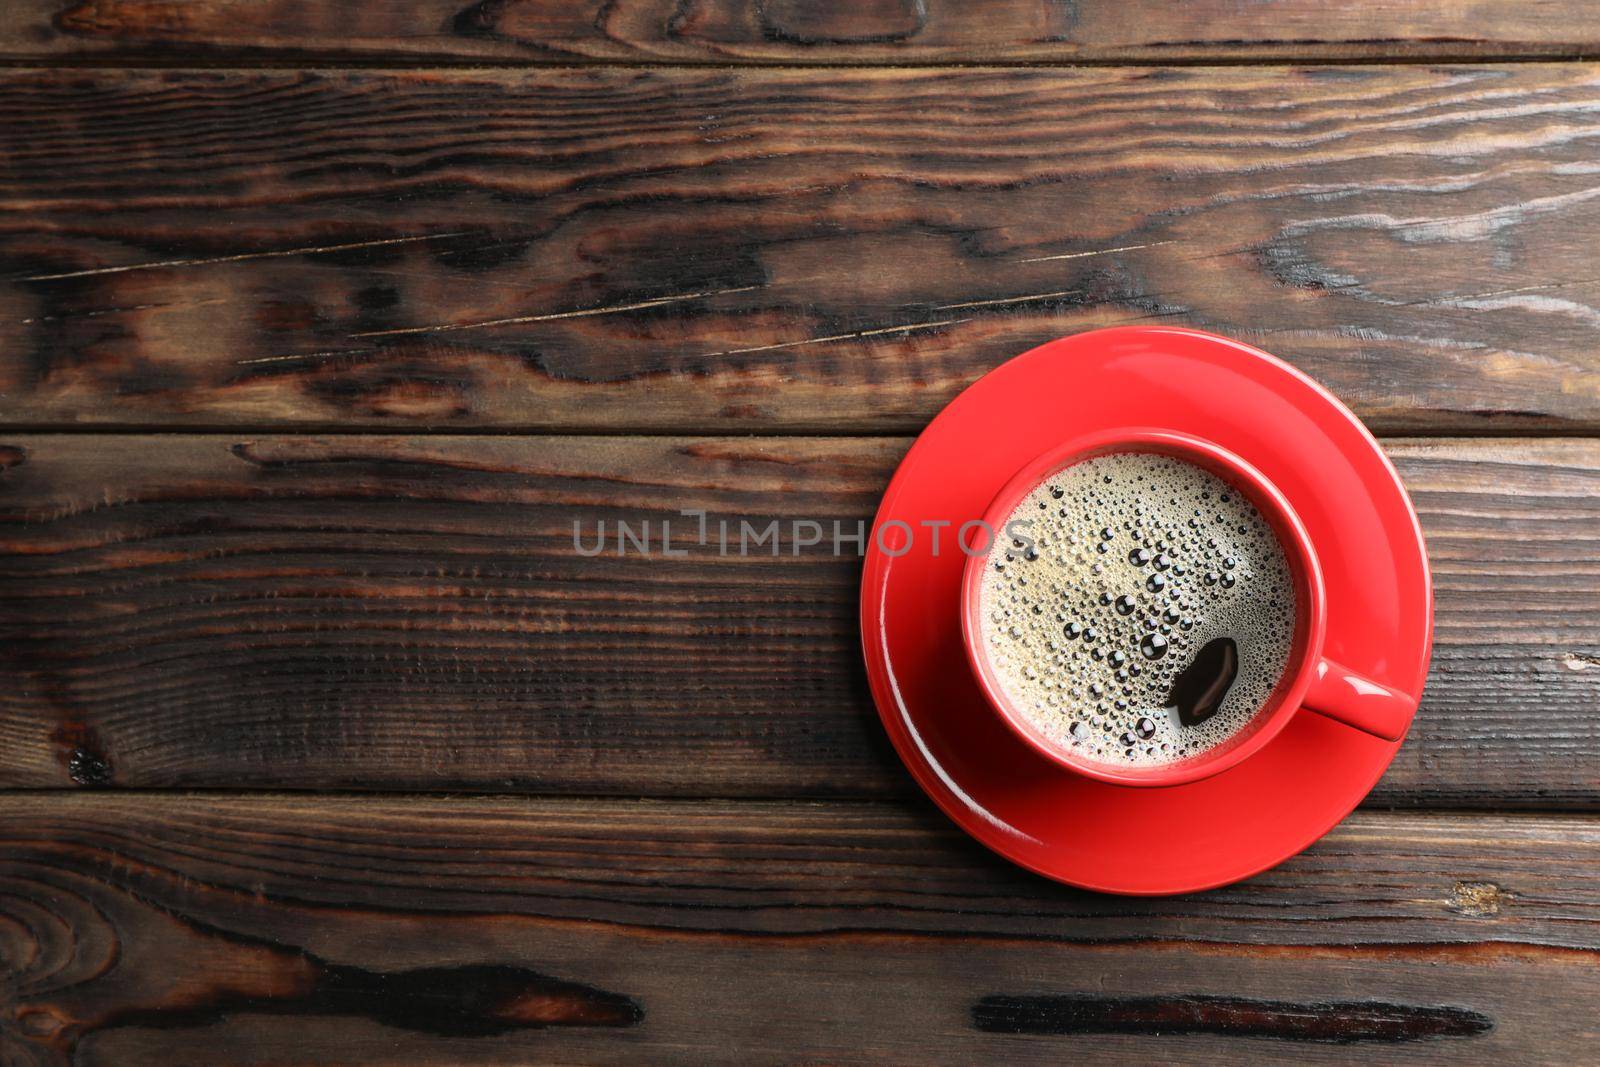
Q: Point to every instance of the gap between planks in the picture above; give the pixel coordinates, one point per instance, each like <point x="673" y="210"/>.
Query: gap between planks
<point x="423" y="797"/>
<point x="1576" y="431"/>
<point x="321" y="62"/>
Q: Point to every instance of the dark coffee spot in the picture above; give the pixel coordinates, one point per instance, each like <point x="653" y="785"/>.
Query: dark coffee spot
<point x="1198" y="690"/>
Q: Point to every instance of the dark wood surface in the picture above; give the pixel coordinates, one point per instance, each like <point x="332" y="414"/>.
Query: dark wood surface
<point x="332" y="930"/>
<point x="413" y="613"/>
<point x="320" y="323"/>
<point x="692" y="250"/>
<point x="789" y="31"/>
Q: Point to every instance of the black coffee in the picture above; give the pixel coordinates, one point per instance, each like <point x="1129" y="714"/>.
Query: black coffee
<point x="1199" y="689"/>
<point x="1145" y="615"/>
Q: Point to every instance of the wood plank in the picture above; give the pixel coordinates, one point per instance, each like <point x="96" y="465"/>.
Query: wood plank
<point x="788" y="31"/>
<point x="412" y="613"/>
<point x="329" y="930"/>
<point x="683" y="250"/>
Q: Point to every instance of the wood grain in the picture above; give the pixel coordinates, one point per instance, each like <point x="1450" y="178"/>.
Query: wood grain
<point x="683" y="250"/>
<point x="413" y="613"/>
<point x="788" y="31"/>
<point x="257" y="929"/>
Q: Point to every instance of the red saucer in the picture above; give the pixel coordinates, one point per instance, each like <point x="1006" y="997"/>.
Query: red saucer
<point x="1093" y="834"/>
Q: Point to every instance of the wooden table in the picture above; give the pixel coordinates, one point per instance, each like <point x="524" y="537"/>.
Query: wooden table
<point x="320" y="323"/>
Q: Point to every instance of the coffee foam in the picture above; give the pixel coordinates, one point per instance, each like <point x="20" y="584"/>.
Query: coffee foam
<point x="1117" y="554"/>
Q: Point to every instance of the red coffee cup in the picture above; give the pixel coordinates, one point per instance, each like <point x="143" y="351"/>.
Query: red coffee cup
<point x="1311" y="681"/>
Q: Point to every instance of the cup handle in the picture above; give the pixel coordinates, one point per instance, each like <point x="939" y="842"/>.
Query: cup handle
<point x="1355" y="700"/>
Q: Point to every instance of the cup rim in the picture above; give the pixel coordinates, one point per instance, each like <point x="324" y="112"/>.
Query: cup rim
<point x="1310" y="615"/>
